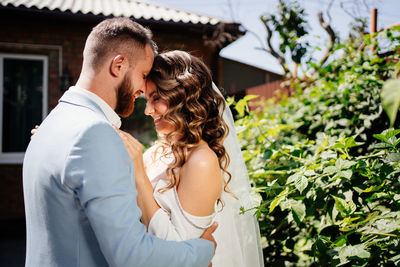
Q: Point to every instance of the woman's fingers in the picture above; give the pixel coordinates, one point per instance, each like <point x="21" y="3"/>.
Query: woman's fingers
<point x="133" y="141"/>
<point x="135" y="150"/>
<point x="129" y="137"/>
<point x="33" y="131"/>
<point x="130" y="140"/>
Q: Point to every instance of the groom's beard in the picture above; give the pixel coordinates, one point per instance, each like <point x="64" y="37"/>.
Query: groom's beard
<point x="125" y="98"/>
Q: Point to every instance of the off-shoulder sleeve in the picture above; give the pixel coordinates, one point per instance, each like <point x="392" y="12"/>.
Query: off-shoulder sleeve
<point x="171" y="222"/>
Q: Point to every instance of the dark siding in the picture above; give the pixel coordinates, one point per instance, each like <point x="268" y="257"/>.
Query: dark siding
<point x="237" y="77"/>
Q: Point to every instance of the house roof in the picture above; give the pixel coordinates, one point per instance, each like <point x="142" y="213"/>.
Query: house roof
<point x="117" y="8"/>
<point x="273" y="67"/>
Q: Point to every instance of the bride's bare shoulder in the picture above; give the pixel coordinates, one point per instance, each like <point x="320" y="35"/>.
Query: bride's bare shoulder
<point x="203" y="154"/>
<point x="203" y="159"/>
<point x="200" y="181"/>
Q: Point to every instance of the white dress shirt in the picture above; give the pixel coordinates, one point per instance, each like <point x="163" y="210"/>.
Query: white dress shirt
<point x="110" y="114"/>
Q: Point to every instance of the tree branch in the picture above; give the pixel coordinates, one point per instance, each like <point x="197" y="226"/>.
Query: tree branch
<point x="328" y="11"/>
<point x="257" y="37"/>
<point x="263" y="49"/>
<point x="272" y="51"/>
<point x="332" y="37"/>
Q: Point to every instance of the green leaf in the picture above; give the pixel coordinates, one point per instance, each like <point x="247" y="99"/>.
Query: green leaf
<point x="352" y="207"/>
<point x="241" y="107"/>
<point x="278" y="199"/>
<point x="321" y="246"/>
<point x="249" y="97"/>
<point x="396" y="143"/>
<point x="382" y="145"/>
<point x="347" y="253"/>
<point x="331" y="169"/>
<point x="286" y="204"/>
<point x="392" y="141"/>
<point x="230" y="100"/>
<point x="393" y="157"/>
<point x="340" y="241"/>
<point x="340" y="205"/>
<point x="327" y="239"/>
<point x="346" y="174"/>
<point x="380" y="137"/>
<point x="396" y="260"/>
<point x="350" y="142"/>
<point x="267" y="154"/>
<point x="382" y="226"/>
<point x="301" y="183"/>
<point x="391" y="99"/>
<point x="297" y="208"/>
<point x="309" y="173"/>
<point x="369" y="189"/>
<point x="344" y="164"/>
<point x="344" y="208"/>
<point x="293" y="178"/>
<point x="390" y="133"/>
<point x="298" y="211"/>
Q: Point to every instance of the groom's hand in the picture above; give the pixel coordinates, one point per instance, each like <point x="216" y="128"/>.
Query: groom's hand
<point x="207" y="235"/>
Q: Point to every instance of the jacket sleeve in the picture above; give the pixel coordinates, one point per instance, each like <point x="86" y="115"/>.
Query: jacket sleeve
<point x="100" y="172"/>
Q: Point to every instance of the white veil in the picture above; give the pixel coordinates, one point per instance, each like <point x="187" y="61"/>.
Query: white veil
<point x="240" y="232"/>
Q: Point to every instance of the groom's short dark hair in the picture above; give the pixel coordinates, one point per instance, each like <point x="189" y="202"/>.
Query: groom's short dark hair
<point x="119" y="36"/>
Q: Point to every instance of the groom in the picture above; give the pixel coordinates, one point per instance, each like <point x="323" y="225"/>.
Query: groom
<point x="79" y="189"/>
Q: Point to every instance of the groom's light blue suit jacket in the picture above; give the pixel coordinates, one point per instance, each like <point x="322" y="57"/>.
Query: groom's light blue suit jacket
<point x="80" y="197"/>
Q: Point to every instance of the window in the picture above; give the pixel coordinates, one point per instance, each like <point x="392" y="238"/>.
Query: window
<point x="23" y="102"/>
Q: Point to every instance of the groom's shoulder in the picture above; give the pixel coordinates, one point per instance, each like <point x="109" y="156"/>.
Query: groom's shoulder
<point x="83" y="118"/>
<point x="96" y="129"/>
<point x="79" y="124"/>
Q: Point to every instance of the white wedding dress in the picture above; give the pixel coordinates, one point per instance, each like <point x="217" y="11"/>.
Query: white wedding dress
<point x="237" y="236"/>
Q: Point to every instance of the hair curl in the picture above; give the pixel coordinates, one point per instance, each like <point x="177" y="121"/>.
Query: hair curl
<point x="194" y="109"/>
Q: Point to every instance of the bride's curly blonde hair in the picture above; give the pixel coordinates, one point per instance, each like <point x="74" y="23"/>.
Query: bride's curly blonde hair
<point x="194" y="109"/>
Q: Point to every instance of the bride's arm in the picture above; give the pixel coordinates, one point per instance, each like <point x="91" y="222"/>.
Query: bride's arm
<point x="200" y="191"/>
<point x="145" y="199"/>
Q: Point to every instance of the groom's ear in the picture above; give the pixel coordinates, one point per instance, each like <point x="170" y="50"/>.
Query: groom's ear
<point x="119" y="65"/>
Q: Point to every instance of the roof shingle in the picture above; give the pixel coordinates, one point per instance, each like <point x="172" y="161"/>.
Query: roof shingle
<point x="116" y="8"/>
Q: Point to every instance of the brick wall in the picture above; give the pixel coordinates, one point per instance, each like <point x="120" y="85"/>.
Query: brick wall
<point x="11" y="202"/>
<point x="264" y="91"/>
<point x="267" y="90"/>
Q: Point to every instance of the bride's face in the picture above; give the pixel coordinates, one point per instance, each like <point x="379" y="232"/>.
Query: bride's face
<point x="156" y="108"/>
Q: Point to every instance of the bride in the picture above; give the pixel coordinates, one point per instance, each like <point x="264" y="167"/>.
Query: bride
<point x="195" y="174"/>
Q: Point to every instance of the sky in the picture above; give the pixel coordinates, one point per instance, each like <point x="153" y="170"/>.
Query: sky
<point x="248" y="12"/>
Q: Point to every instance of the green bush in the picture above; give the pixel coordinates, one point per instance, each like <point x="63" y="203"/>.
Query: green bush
<point x="327" y="166"/>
